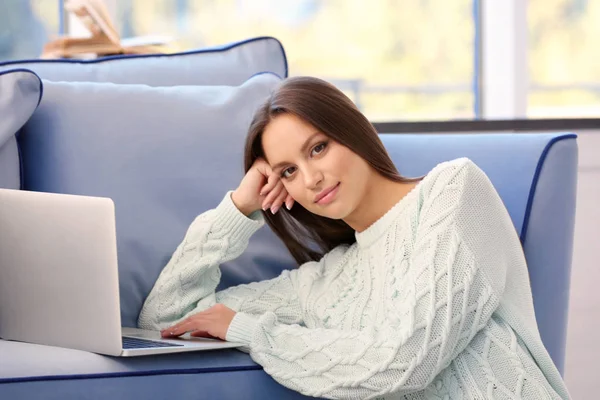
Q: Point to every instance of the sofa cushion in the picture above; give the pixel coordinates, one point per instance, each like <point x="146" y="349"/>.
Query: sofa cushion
<point x="164" y="155"/>
<point x="230" y="64"/>
<point x="20" y="94"/>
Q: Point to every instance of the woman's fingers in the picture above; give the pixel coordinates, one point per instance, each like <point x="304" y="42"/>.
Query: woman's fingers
<point x="273" y="191"/>
<point x="277" y="197"/>
<point x="279" y="201"/>
<point x="289" y="201"/>
<point x="272" y="195"/>
<point x="189" y="324"/>
<point x="272" y="180"/>
<point x="203" y="334"/>
<point x="213" y="321"/>
<point x="176" y="330"/>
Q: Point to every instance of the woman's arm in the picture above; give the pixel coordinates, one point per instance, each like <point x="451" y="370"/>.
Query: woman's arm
<point x="187" y="283"/>
<point x="458" y="269"/>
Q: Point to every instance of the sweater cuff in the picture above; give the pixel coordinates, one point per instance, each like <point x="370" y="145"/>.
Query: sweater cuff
<point x="231" y="219"/>
<point x="242" y="328"/>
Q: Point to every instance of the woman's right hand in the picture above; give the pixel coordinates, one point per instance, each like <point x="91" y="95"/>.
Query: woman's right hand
<point x="261" y="189"/>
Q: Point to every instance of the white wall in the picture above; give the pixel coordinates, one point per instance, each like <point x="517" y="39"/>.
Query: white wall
<point x="583" y="344"/>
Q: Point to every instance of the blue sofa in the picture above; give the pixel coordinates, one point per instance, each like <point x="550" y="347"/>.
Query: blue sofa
<point x="76" y="142"/>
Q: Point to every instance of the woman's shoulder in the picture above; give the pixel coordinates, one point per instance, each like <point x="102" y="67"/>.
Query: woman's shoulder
<point x="447" y="169"/>
<point x="458" y="175"/>
<point x="458" y="170"/>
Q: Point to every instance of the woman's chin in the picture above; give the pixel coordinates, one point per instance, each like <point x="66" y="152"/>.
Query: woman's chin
<point x="331" y="211"/>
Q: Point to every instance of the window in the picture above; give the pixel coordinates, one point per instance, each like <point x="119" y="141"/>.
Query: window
<point x="564" y="61"/>
<point x="399" y="61"/>
<point x="25" y="26"/>
<point x="409" y="60"/>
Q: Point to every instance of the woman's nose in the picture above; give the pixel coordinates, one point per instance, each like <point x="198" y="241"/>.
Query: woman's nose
<point x="312" y="178"/>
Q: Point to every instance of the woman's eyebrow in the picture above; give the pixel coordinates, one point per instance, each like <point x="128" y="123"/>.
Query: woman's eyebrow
<point x="302" y="150"/>
<point x="306" y="143"/>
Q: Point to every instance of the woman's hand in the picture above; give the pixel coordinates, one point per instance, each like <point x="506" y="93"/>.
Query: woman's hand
<point x="211" y="323"/>
<point x="261" y="189"/>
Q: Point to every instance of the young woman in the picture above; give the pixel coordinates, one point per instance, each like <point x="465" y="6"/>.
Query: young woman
<point x="407" y="288"/>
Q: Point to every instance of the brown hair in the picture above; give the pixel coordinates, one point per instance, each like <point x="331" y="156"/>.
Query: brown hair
<point x="306" y="235"/>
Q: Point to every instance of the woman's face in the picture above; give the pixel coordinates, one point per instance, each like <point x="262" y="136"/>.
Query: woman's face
<point x="322" y="175"/>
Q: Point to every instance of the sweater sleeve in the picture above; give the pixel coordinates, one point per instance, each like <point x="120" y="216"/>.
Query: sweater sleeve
<point x="187" y="284"/>
<point x="453" y="285"/>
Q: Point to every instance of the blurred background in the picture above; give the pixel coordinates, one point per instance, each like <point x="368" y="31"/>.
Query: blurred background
<point x="399" y="60"/>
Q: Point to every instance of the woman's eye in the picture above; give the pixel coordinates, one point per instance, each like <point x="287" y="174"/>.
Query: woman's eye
<point x="287" y="172"/>
<point x="318" y="149"/>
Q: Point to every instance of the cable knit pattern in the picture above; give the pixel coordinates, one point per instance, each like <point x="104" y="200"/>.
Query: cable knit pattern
<point x="419" y="307"/>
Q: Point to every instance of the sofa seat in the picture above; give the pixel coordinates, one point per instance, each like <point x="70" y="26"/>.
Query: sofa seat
<point x="30" y="371"/>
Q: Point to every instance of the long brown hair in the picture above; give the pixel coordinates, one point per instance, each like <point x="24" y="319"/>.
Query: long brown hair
<point x="306" y="235"/>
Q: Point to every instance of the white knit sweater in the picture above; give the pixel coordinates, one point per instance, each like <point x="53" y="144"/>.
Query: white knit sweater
<point x="432" y="301"/>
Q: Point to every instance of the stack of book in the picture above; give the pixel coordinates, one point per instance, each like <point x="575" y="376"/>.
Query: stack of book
<point x="103" y="39"/>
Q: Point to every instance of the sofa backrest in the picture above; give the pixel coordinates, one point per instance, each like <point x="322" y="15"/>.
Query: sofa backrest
<point x="230" y="64"/>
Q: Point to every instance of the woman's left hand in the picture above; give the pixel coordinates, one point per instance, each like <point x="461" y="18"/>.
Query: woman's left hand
<point x="211" y="323"/>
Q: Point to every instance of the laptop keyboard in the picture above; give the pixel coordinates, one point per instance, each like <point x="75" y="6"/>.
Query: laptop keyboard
<point x="136" y="343"/>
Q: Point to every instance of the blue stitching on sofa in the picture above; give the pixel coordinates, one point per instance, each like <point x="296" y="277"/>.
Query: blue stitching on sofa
<point x="187" y="371"/>
<point x="21" y="164"/>
<point x="536" y="177"/>
<point x="19" y="152"/>
<point x="191" y="52"/>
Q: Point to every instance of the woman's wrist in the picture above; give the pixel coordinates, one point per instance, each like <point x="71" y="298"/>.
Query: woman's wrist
<point x="241" y="328"/>
<point x="241" y="205"/>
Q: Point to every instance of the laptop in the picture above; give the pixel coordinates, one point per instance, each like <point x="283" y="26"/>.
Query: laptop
<point x="59" y="283"/>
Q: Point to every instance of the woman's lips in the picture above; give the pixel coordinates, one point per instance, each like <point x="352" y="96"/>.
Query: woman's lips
<point x="328" y="195"/>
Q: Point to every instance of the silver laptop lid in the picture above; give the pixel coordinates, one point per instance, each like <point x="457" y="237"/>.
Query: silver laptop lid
<point x="58" y="271"/>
